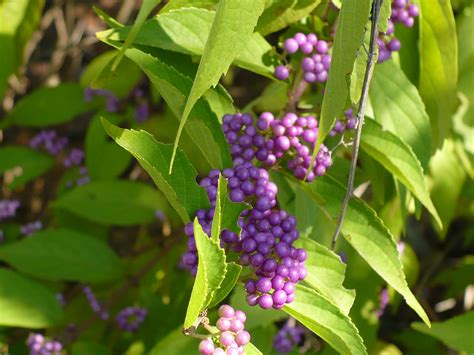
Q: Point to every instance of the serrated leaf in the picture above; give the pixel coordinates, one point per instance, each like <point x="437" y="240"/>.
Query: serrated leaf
<point x="226" y="212"/>
<point x="326" y="320"/>
<point x="326" y="273"/>
<point x="104" y="158"/>
<point x="228" y="284"/>
<point x="211" y="272"/>
<point x="399" y="109"/>
<point x="187" y="30"/>
<point x="399" y="159"/>
<point x="180" y="187"/>
<point x="26" y="303"/>
<point x="180" y="4"/>
<point x="49" y="106"/>
<point x="352" y="21"/>
<point x="281" y="13"/>
<point x="366" y="232"/>
<point x="171" y="74"/>
<point x="231" y="29"/>
<point x="25" y="164"/>
<point x="63" y="255"/>
<point x="438" y="65"/>
<point x="456" y="332"/>
<point x="116" y="202"/>
<point x="145" y="10"/>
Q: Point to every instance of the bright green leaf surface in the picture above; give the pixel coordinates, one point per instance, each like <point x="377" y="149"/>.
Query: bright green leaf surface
<point x="116" y="202"/>
<point x="438" y="64"/>
<point x="455" y="332"/>
<point x="63" y="255"/>
<point x="326" y="320"/>
<point x="180" y="187"/>
<point x="231" y="30"/>
<point x="228" y="284"/>
<point x="187" y="30"/>
<point x="326" y="273"/>
<point x="172" y="74"/>
<point x="24" y="164"/>
<point x="399" y="159"/>
<point x="279" y="14"/>
<point x="399" y="109"/>
<point x="49" y="106"/>
<point x="210" y="274"/>
<point x="26" y="303"/>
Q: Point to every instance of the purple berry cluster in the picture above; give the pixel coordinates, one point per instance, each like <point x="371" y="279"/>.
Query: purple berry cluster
<point x="403" y="12"/>
<point x="349" y="123"/>
<point x="129" y="319"/>
<point x="316" y="60"/>
<point x="50" y="141"/>
<point x="267" y="247"/>
<point x="39" y="345"/>
<point x="8" y="208"/>
<point x="30" y="228"/>
<point x="95" y="304"/>
<point x="232" y="338"/>
<point x="288" y="337"/>
<point x="112" y="104"/>
<point x="75" y="158"/>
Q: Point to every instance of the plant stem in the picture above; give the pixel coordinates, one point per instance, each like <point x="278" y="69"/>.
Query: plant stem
<point x="296" y="92"/>
<point x="376" y="5"/>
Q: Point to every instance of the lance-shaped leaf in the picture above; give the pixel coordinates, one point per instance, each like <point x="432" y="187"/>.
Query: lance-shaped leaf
<point x="228" y="284"/>
<point x="350" y="31"/>
<point x="211" y="272"/>
<point x="368" y="235"/>
<point x="399" y="109"/>
<point x="226" y="212"/>
<point x="326" y="273"/>
<point x="63" y="255"/>
<point x="399" y="159"/>
<point x="171" y="74"/>
<point x="231" y="30"/>
<point x="438" y="65"/>
<point x="326" y="320"/>
<point x="26" y="303"/>
<point x="186" y="31"/>
<point x="180" y="187"/>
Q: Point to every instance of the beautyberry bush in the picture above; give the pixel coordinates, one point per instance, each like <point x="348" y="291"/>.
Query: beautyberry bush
<point x="236" y="177"/>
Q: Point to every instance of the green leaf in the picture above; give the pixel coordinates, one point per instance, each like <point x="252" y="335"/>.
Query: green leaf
<point x="226" y="212"/>
<point x="97" y="74"/>
<point x="438" y="65"/>
<point x="399" y="159"/>
<point x="63" y="255"/>
<point x="366" y="232"/>
<point x="26" y="303"/>
<point x="210" y="274"/>
<point x="187" y="30"/>
<point x="175" y="343"/>
<point x="228" y="284"/>
<point x="445" y="192"/>
<point x="172" y="74"/>
<point x="145" y="9"/>
<point x="251" y="349"/>
<point x="231" y="30"/>
<point x="326" y="273"/>
<point x="352" y="21"/>
<point x="456" y="332"/>
<point x="326" y="320"/>
<point x="116" y="202"/>
<point x="24" y="164"/>
<point x="180" y="4"/>
<point x="399" y="109"/>
<point x="180" y="188"/>
<point x="104" y="158"/>
<point x="279" y="14"/>
<point x="49" y="106"/>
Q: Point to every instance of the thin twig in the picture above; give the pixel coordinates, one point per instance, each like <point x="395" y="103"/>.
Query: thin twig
<point x="376" y="5"/>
